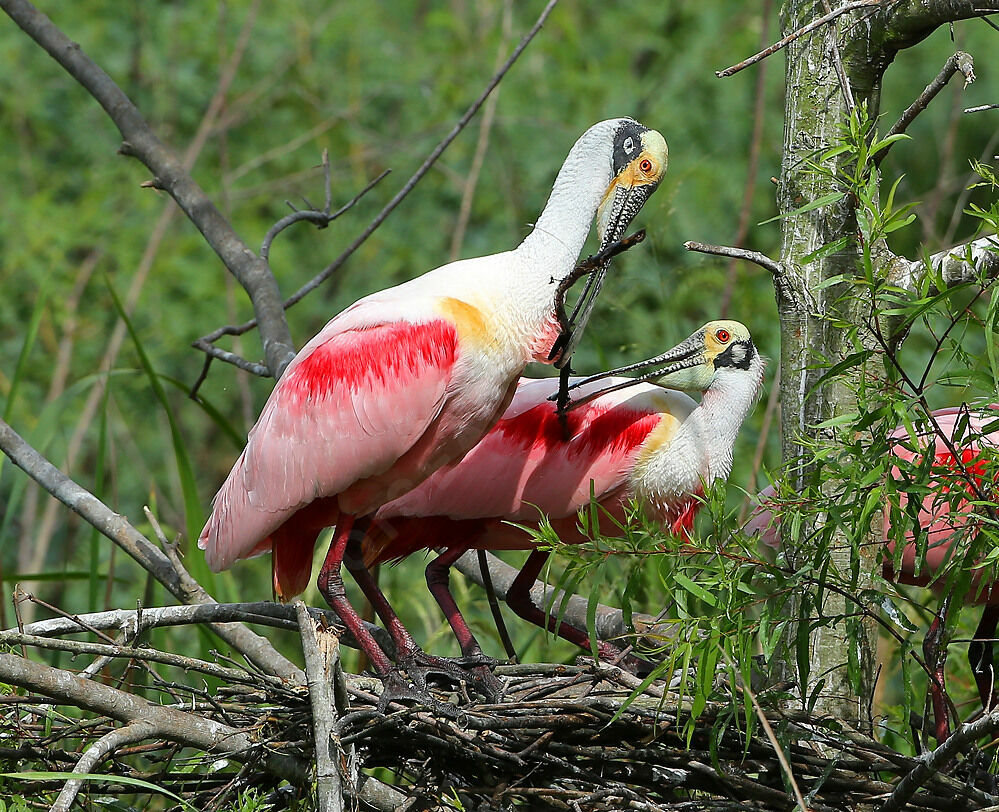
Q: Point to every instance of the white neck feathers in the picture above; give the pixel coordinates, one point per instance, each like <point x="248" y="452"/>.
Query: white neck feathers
<point x="561" y="229"/>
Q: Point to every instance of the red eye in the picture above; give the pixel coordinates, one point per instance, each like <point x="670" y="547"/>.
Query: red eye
<point x="723" y="336"/>
<point x="646" y="166"/>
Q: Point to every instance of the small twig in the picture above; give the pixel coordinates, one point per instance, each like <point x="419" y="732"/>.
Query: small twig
<point x="321" y="656"/>
<point x="958" y="61"/>
<point x="980" y="108"/>
<point x="431" y="159"/>
<point x="805" y="29"/>
<point x="320" y="217"/>
<point x="379" y="218"/>
<point x="133" y="732"/>
<point x="487" y="584"/>
<point x="594" y="265"/>
<point x="737" y="253"/>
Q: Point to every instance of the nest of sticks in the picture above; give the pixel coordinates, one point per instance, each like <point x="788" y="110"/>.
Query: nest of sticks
<point x="567" y="737"/>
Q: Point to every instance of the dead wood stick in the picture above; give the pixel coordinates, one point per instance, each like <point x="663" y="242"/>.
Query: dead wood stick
<point x="169" y="723"/>
<point x="132" y="733"/>
<point x="178" y="581"/>
<point x="321" y="658"/>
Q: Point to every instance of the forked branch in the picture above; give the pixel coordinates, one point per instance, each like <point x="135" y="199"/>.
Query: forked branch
<point x="140" y="142"/>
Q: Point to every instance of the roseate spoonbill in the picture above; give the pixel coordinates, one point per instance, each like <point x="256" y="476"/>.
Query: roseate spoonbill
<point x="410" y="378"/>
<point x="630" y="439"/>
<point x="961" y="439"/>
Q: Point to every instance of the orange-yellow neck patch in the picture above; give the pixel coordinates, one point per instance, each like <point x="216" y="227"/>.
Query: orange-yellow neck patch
<point x="468" y="320"/>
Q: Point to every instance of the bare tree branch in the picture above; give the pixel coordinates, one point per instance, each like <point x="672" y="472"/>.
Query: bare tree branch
<point x="379" y="218"/>
<point x="140" y="142"/>
<point x="736" y="253"/>
<point x="322" y="656"/>
<point x="133" y="732"/>
<point x="969" y="262"/>
<point x="178" y="581"/>
<point x="167" y="722"/>
<point x="818" y="22"/>
<point x="958" y="61"/>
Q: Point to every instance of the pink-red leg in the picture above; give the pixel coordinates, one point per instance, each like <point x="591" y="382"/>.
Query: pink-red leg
<point x="330" y="583"/>
<point x="439" y="584"/>
<point x="354" y="562"/>
<point x="418" y="664"/>
<point x="519" y="599"/>
<point x="980" y="657"/>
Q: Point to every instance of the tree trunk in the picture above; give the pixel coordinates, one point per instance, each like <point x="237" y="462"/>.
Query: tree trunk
<point x="828" y="73"/>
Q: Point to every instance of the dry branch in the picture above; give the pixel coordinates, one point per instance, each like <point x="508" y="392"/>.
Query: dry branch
<point x="178" y="581"/>
<point x="140" y="142"/>
<point x="977" y="260"/>
<point x="322" y="658"/>
<point x="168" y="723"/>
<point x="958" y="61"/>
<point x="825" y="19"/>
<point x="410" y="184"/>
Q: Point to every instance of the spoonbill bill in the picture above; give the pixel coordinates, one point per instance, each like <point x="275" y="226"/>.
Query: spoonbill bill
<point x="410" y="378"/>
<point x="629" y="439"/>
<point x="962" y="440"/>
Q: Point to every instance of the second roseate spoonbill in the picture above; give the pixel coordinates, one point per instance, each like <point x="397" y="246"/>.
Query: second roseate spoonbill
<point x="630" y="439"/>
<point x="963" y="440"/>
<point x="410" y="378"/>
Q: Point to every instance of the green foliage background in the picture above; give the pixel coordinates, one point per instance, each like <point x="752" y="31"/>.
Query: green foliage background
<point x="378" y="84"/>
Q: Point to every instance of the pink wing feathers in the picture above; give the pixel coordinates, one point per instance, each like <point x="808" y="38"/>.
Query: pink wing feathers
<point x="939" y="516"/>
<point x="334" y="419"/>
<point x="522" y="465"/>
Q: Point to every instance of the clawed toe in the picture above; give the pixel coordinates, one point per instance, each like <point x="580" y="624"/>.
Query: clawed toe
<point x="467" y="672"/>
<point x="397" y="688"/>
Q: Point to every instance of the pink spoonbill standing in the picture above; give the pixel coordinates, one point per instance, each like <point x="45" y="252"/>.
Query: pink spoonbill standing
<point x="410" y="378"/>
<point x="629" y="439"/>
<point x="962" y="441"/>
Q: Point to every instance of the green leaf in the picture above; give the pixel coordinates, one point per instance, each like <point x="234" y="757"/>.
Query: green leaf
<point x="694" y="589"/>
<point x="37" y="775"/>
<point x="819" y="202"/>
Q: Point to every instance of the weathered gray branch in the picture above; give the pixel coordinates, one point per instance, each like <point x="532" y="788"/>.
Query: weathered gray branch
<point x="968" y="262"/>
<point x="818" y="22"/>
<point x="263" y="613"/>
<point x="140" y="142"/>
<point x="176" y="579"/>
<point x="132" y="733"/>
<point x="322" y="656"/>
<point x="958" y="61"/>
<point x="167" y="722"/>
